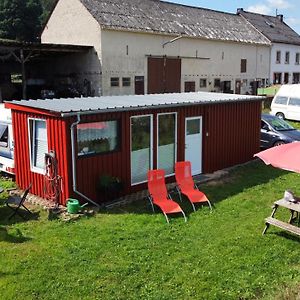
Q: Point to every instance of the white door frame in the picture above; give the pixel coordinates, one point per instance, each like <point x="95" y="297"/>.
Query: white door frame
<point x="201" y="142"/>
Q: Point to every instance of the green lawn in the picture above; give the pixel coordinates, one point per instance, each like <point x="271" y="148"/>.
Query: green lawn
<point x="129" y="253"/>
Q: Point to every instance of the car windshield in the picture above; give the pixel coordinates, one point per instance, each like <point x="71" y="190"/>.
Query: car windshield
<point x="280" y="125"/>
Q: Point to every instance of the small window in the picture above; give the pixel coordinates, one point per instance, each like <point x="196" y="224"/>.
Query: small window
<point x="38" y="143"/>
<point x="287" y="57"/>
<point x="243" y="65"/>
<point x="294" y="101"/>
<point x="217" y="83"/>
<point x="3" y="135"/>
<point x="297" y="59"/>
<point x="281" y="100"/>
<point x="114" y="81"/>
<point x="278" y="57"/>
<point x="203" y="83"/>
<point x="126" y="81"/>
<point x="97" y="137"/>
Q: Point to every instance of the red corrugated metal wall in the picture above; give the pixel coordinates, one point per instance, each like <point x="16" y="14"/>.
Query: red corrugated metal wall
<point x="58" y="140"/>
<point x="231" y="133"/>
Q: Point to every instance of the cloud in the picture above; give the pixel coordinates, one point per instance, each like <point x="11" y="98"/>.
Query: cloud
<point x="280" y="4"/>
<point x="261" y="8"/>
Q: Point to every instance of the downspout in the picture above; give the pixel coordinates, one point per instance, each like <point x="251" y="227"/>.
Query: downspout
<point x="74" y="171"/>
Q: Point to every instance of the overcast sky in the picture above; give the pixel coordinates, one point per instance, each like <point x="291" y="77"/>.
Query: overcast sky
<point x="290" y="9"/>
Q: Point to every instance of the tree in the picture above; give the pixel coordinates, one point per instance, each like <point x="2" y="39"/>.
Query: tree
<point x="20" y="19"/>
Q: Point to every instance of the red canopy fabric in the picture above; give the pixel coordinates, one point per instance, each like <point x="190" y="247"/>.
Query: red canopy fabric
<point x="286" y="157"/>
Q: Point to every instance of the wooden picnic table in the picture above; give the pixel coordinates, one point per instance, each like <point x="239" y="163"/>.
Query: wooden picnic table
<point x="294" y="209"/>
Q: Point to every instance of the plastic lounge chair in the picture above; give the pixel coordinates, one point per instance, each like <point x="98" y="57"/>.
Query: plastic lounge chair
<point x="159" y="195"/>
<point x="16" y="202"/>
<point x="186" y="185"/>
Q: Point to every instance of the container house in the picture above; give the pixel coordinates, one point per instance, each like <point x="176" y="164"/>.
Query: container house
<point x="124" y="136"/>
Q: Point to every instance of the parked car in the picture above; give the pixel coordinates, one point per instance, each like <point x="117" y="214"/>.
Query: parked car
<point x="275" y="131"/>
<point x="6" y="141"/>
<point x="286" y="103"/>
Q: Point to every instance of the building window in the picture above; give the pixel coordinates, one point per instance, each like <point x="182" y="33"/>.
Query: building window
<point x="286" y="78"/>
<point x="217" y="82"/>
<point x="296" y="77"/>
<point x="287" y="57"/>
<point x="297" y="59"/>
<point x="203" y="83"/>
<point x="278" y="57"/>
<point x="114" y="81"/>
<point x="126" y="81"/>
<point x="277" y="78"/>
<point x="38" y="144"/>
<point x="243" y="65"/>
<point x="98" y="137"/>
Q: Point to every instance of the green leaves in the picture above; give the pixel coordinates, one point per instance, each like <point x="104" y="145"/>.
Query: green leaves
<point x="20" y="19"/>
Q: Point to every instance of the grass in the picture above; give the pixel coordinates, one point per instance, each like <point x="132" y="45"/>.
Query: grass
<point x="129" y="253"/>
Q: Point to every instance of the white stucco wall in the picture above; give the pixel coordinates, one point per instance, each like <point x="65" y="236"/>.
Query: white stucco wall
<point x="71" y="23"/>
<point x="224" y="60"/>
<point x="283" y="67"/>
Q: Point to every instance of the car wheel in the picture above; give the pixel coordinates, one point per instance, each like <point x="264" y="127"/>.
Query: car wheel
<point x="280" y="115"/>
<point x="278" y="143"/>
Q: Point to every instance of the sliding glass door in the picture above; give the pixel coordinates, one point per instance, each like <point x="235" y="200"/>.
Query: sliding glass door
<point x="166" y="142"/>
<point x="141" y="148"/>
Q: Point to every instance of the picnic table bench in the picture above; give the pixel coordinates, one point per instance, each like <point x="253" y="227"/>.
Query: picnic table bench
<point x="294" y="209"/>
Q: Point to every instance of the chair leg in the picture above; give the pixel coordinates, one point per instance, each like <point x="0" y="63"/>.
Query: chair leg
<point x="27" y="209"/>
<point x="209" y="205"/>
<point x="166" y="217"/>
<point x="194" y="208"/>
<point x="149" y="198"/>
<point x="179" y="193"/>
<point x="185" y="219"/>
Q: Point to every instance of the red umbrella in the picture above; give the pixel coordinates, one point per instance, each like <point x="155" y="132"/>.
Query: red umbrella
<point x="286" y="157"/>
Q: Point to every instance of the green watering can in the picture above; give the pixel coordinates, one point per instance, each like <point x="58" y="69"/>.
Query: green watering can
<point x="73" y="206"/>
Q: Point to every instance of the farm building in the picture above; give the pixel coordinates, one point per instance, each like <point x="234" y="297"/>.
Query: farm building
<point x="124" y="136"/>
<point x="152" y="46"/>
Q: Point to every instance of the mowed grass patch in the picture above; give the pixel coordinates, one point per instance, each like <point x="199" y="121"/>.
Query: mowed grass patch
<point x="130" y="253"/>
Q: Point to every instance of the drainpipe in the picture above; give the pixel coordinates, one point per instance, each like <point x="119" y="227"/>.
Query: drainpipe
<point x="74" y="163"/>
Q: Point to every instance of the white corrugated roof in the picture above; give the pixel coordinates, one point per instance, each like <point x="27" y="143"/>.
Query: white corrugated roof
<point x="132" y="102"/>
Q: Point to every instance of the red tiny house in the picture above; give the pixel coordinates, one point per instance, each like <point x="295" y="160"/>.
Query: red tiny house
<point x="230" y="135"/>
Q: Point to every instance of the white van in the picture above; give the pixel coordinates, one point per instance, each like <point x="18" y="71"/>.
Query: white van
<point x="286" y="103"/>
<point x="6" y="141"/>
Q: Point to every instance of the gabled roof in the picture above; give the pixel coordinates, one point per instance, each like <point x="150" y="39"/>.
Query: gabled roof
<point x="156" y="16"/>
<point x="93" y="105"/>
<point x="273" y="28"/>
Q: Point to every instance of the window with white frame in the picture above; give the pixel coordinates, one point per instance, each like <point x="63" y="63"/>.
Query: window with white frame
<point x="297" y="58"/>
<point x="38" y="144"/>
<point x="278" y="57"/>
<point x="287" y="57"/>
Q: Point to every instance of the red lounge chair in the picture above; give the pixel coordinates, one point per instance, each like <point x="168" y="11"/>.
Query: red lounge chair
<point x="159" y="195"/>
<point x="186" y="185"/>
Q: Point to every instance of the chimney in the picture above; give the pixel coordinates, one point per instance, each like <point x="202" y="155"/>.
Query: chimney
<point x="280" y="18"/>
<point x="239" y="10"/>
